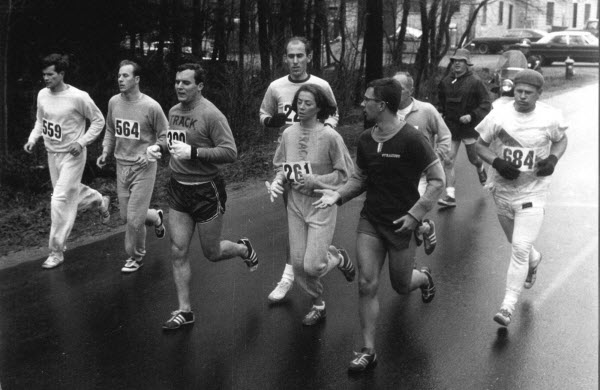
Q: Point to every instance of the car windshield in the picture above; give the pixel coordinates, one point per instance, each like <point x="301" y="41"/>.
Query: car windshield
<point x="513" y="33"/>
<point x="590" y="39"/>
<point x="550" y="38"/>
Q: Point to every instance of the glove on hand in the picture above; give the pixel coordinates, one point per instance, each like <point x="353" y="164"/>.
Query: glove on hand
<point x="506" y="169"/>
<point x="276" y="120"/>
<point x="545" y="167"/>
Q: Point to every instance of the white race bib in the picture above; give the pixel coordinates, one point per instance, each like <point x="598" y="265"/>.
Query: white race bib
<point x="51" y="130"/>
<point x="175" y="135"/>
<point x="125" y="128"/>
<point x="290" y="114"/>
<point x="293" y="170"/>
<point x="522" y="158"/>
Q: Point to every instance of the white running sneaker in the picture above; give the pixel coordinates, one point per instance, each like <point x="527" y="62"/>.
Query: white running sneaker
<point x="52" y="261"/>
<point x="281" y="290"/>
<point x="104" y="212"/>
<point x="132" y="265"/>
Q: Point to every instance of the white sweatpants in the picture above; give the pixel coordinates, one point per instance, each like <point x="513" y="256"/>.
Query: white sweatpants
<point x="68" y="196"/>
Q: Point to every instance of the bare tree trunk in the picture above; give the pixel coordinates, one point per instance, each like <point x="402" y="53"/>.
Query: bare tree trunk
<point x="197" y="28"/>
<point x="319" y="25"/>
<point x="297" y="17"/>
<point x="472" y="20"/>
<point x="4" y="43"/>
<point x="422" y="54"/>
<point x="243" y="32"/>
<point x="219" y="52"/>
<point x="398" y="49"/>
<point x="374" y="41"/>
<point x="263" y="39"/>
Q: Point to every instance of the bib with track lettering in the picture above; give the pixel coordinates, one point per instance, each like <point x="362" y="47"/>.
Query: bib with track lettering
<point x="175" y="135"/>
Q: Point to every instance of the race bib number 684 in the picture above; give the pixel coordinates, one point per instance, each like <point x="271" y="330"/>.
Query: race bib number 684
<point x="293" y="170"/>
<point x="522" y="158"/>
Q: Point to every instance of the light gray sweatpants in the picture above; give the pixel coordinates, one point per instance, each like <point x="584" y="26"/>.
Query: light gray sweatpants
<point x="134" y="189"/>
<point x="310" y="234"/>
<point x="68" y="196"/>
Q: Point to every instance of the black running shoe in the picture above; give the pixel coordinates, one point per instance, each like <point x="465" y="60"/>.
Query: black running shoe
<point x="252" y="259"/>
<point x="428" y="292"/>
<point x="179" y="318"/>
<point x="346" y="265"/>
<point x="429" y="239"/>
<point x="482" y="176"/>
<point x="363" y="361"/>
<point x="160" y="230"/>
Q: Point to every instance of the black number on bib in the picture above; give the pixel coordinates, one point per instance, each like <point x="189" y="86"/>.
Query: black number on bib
<point x="290" y="114"/>
<point x="288" y="172"/>
<point x="529" y="160"/>
<point x="175" y="136"/>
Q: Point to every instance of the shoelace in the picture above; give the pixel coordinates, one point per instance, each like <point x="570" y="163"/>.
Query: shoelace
<point x="361" y="359"/>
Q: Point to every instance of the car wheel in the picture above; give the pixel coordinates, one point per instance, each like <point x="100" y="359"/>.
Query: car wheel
<point x="483" y="48"/>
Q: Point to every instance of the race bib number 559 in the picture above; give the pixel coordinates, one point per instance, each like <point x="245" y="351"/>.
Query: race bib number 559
<point x="293" y="170"/>
<point x="522" y="158"/>
<point x="51" y="130"/>
<point x="175" y="135"/>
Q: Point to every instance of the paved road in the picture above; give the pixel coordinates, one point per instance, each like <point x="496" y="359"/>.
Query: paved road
<point x="87" y="326"/>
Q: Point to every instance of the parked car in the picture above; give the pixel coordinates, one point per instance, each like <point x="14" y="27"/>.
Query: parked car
<point x="592" y="26"/>
<point x="581" y="46"/>
<point x="494" y="44"/>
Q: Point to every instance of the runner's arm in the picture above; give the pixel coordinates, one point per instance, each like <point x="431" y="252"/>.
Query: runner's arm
<point x="436" y="180"/>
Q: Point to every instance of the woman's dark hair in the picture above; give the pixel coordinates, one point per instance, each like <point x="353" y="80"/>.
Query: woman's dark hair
<point x="326" y="105"/>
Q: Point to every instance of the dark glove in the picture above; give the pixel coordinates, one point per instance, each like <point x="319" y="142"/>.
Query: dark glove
<point x="506" y="169"/>
<point x="545" y="167"/>
<point x="276" y="120"/>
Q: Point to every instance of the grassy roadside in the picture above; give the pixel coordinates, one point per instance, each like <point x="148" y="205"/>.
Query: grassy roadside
<point x="25" y="217"/>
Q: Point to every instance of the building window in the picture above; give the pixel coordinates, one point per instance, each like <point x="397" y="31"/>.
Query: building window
<point x="574" y="14"/>
<point x="500" y="13"/>
<point x="484" y="15"/>
<point x="587" y="12"/>
<point x="550" y="14"/>
<point x="510" y="13"/>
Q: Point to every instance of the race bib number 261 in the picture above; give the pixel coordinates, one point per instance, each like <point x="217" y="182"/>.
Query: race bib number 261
<point x="522" y="158"/>
<point x="293" y="170"/>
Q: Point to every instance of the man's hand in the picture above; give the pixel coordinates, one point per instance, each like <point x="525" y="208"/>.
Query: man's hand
<point x="101" y="161"/>
<point x="406" y="223"/>
<point x="75" y="149"/>
<point x="465" y="119"/>
<point x="181" y="150"/>
<point x="28" y="147"/>
<point x="328" y="198"/>
<point x="274" y="189"/>
<point x="276" y="120"/>
<point x="506" y="169"/>
<point x="153" y="153"/>
<point x="142" y="161"/>
<point x="545" y="167"/>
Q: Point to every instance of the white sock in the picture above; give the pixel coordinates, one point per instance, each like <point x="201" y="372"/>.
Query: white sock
<point x="451" y="192"/>
<point x="288" y="273"/>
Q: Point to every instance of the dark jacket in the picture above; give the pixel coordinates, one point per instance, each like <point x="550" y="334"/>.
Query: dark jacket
<point x="464" y="95"/>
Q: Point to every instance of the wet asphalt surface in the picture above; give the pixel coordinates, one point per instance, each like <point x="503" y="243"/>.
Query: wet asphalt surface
<point x="85" y="325"/>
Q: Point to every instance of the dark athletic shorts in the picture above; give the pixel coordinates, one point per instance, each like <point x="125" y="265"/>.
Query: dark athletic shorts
<point x="203" y="202"/>
<point x="384" y="233"/>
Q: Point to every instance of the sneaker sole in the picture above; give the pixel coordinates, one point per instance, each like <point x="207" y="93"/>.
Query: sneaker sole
<point x="131" y="270"/>
<point x="179" y="327"/>
<point x="500" y="320"/>
<point x="44" y="266"/>
<point x="369" y="366"/>
<point x="160" y="234"/>
<point x="445" y="204"/>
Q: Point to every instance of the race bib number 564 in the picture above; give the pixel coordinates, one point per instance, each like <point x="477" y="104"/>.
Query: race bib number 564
<point x="293" y="170"/>
<point x="125" y="128"/>
<point x="175" y="135"/>
<point x="522" y="158"/>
